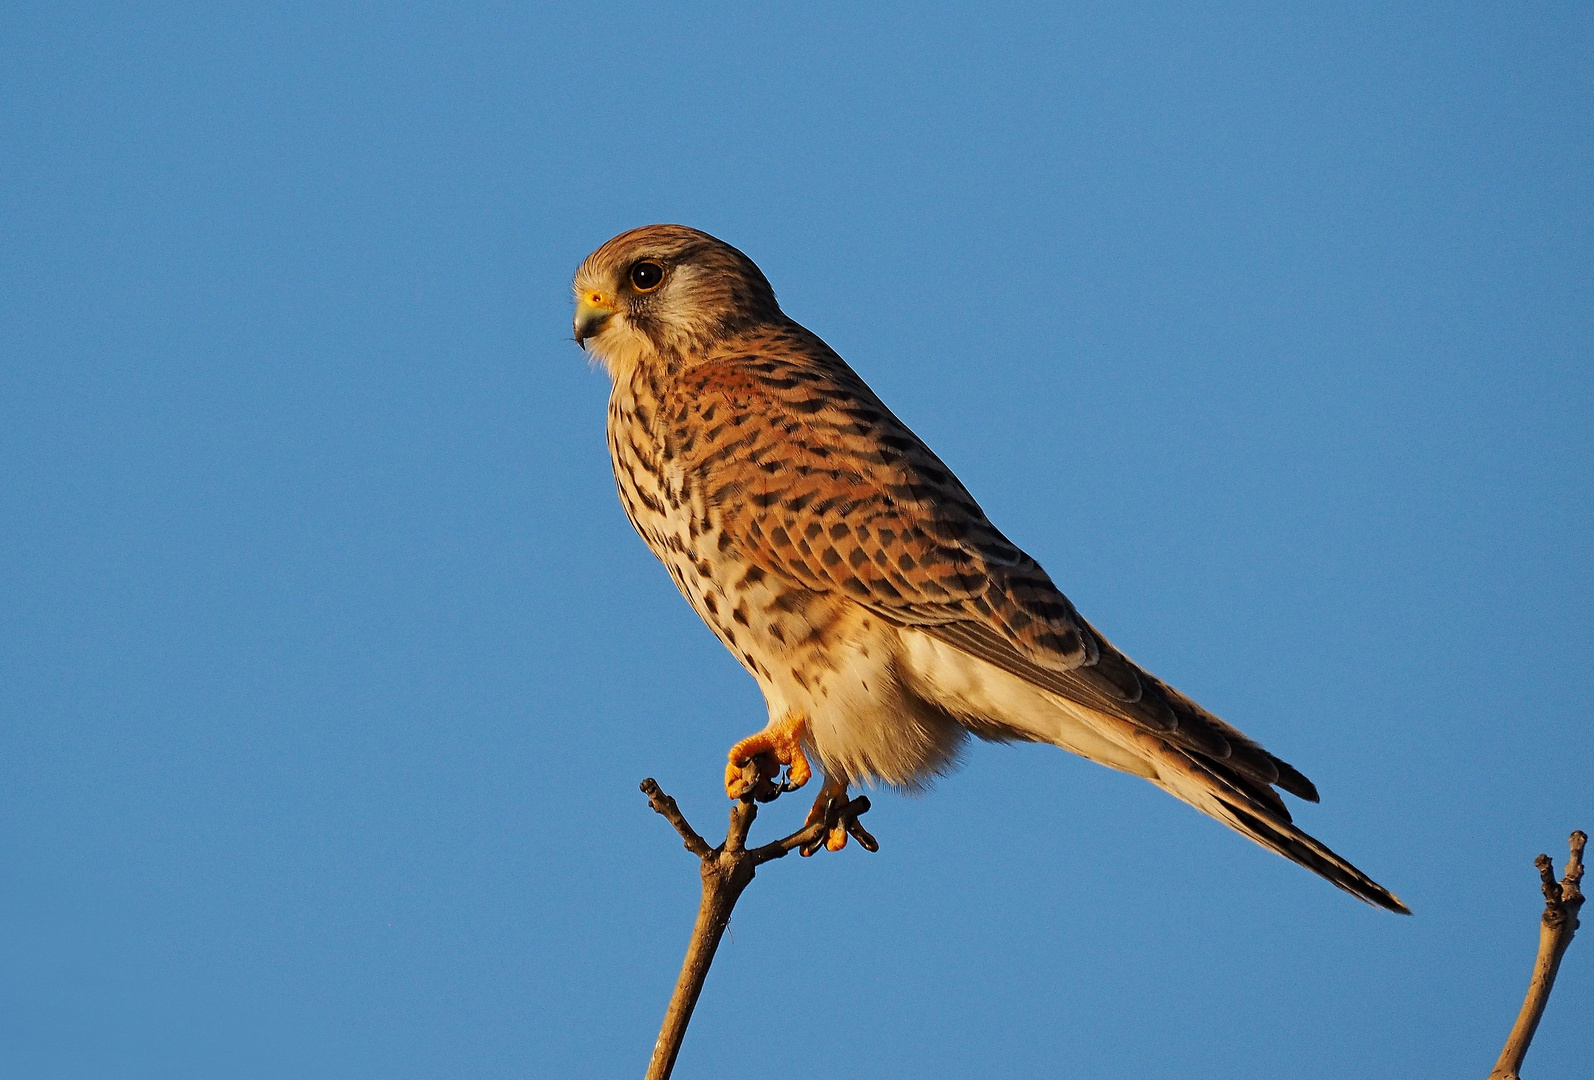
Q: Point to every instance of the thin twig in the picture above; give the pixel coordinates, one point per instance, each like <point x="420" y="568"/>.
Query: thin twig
<point x="726" y="871"/>
<point x="1562" y="900"/>
<point x="671" y="812"/>
<point x="810" y="837"/>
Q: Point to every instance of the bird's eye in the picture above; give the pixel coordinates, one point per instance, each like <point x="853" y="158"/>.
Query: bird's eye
<point x="646" y="276"/>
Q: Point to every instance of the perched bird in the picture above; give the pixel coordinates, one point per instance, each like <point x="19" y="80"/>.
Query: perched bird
<point x="882" y="615"/>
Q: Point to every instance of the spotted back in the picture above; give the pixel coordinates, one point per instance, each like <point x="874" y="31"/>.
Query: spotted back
<point x="811" y="477"/>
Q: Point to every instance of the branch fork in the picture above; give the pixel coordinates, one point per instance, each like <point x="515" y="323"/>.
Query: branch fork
<point x="1562" y="901"/>
<point x="727" y="870"/>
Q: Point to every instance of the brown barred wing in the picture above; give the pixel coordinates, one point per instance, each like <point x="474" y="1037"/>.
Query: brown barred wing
<point x="812" y="479"/>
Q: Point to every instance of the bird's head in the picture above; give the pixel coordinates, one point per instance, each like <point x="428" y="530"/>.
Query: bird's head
<point x="664" y="293"/>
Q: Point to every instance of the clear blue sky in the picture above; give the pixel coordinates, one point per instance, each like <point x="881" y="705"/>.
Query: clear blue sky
<point x="329" y="665"/>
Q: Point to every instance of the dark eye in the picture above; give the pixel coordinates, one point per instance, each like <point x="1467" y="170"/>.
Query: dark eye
<point x="646" y="276"/>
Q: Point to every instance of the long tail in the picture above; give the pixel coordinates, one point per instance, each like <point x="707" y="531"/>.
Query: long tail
<point x="1195" y="756"/>
<point x="1253" y="810"/>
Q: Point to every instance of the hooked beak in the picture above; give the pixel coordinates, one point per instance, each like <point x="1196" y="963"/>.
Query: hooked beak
<point x="592" y="311"/>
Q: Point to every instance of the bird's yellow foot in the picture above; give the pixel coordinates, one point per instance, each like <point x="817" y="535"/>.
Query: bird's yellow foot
<point x="832" y="807"/>
<point x="777" y="746"/>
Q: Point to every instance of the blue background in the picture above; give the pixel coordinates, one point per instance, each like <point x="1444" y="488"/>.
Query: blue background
<point x="329" y="665"/>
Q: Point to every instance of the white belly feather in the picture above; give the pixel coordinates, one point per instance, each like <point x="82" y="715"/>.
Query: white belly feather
<point x="975" y="690"/>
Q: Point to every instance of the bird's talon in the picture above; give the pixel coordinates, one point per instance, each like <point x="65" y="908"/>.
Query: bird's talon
<point x="834" y="811"/>
<point x="776" y="747"/>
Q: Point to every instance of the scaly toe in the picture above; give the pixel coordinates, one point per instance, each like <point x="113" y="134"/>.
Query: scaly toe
<point x="770" y="749"/>
<point x="798" y="771"/>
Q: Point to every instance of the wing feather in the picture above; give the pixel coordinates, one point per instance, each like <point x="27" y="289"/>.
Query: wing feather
<point x="815" y="480"/>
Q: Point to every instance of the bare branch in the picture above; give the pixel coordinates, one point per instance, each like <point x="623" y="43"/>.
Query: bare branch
<point x="666" y="806"/>
<point x="1562" y="900"/>
<point x="810" y="836"/>
<point x="726" y="871"/>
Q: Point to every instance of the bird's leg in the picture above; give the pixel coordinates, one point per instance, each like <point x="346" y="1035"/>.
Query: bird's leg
<point x="780" y="744"/>
<point x="833" y="808"/>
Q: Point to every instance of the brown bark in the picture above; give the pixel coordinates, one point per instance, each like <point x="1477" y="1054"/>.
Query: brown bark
<point x="726" y="871"/>
<point x="1562" y="899"/>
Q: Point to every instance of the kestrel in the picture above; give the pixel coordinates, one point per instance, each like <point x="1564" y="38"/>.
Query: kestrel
<point x="883" y="616"/>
